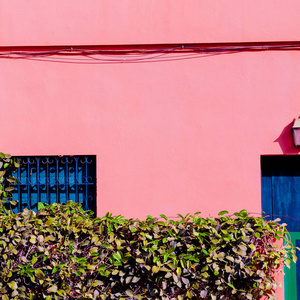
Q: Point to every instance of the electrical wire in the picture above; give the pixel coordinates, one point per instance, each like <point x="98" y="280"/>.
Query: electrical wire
<point x="137" y="54"/>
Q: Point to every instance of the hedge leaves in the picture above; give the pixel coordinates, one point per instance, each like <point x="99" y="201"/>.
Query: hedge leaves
<point x="61" y="252"/>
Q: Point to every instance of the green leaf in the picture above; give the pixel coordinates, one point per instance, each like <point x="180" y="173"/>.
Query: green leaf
<point x="13" y="285"/>
<point x="9" y="189"/>
<point x="223" y="212"/>
<point x="129" y="293"/>
<point x="93" y="250"/>
<point x="12" y="179"/>
<point x="52" y="289"/>
<point x="189" y="294"/>
<point x="230" y="258"/>
<point x="163" y="216"/>
<point x="252" y="247"/>
<point x="155" y="269"/>
<point x="15" y="293"/>
<point x="32" y="239"/>
<point x="227" y="269"/>
<point x="155" y="259"/>
<point x="13" y="203"/>
<point x="97" y="283"/>
<point x="39" y="274"/>
<point x="231" y="285"/>
<point x="61" y="293"/>
<point x="135" y="279"/>
<point x="49" y="221"/>
<point x="41" y="205"/>
<point x="34" y="260"/>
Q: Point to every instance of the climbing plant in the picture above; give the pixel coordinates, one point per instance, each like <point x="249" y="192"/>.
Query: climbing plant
<point x="8" y="165"/>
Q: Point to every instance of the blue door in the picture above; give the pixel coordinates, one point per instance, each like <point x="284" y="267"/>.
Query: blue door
<point x="281" y="199"/>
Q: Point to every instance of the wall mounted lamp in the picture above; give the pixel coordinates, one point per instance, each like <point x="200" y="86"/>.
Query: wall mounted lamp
<point x="296" y="132"/>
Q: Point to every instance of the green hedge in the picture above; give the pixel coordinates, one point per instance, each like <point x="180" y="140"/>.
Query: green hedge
<point x="61" y="252"/>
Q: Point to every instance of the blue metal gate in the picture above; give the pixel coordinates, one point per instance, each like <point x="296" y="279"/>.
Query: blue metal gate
<point x="56" y="179"/>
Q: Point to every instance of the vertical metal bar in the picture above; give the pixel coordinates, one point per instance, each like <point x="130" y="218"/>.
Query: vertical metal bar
<point x="19" y="188"/>
<point x="47" y="180"/>
<point x="94" y="192"/>
<point x="67" y="179"/>
<point x="86" y="183"/>
<point x="76" y="180"/>
<point x="57" y="180"/>
<point x="38" y="179"/>
<point x="28" y="183"/>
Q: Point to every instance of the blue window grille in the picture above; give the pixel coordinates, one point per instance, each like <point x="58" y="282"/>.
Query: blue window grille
<point x="55" y="179"/>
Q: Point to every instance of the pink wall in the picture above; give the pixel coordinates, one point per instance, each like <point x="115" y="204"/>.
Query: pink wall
<point x="170" y="137"/>
<point x="176" y="136"/>
<point x="100" y="22"/>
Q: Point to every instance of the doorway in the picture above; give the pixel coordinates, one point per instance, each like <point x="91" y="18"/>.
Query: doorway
<point x="281" y="199"/>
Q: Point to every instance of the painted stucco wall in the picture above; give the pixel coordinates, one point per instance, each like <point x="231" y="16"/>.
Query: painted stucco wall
<point x="174" y="136"/>
<point x="180" y="136"/>
<point x="106" y="22"/>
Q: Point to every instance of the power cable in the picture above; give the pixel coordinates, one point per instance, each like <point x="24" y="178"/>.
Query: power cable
<point x="139" y="54"/>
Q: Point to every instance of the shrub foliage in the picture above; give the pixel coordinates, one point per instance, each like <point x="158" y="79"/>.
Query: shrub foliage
<point x="61" y="252"/>
<point x="8" y="165"/>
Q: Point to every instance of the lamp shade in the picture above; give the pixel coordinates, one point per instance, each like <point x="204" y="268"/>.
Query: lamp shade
<point x="296" y="132"/>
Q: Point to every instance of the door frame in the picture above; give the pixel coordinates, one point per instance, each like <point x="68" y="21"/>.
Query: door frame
<point x="270" y="163"/>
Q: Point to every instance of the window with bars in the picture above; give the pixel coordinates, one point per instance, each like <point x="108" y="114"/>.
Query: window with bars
<point x="55" y="179"/>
